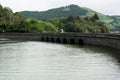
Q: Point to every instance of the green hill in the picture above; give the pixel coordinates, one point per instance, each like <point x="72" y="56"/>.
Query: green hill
<point x="115" y="22"/>
<point x="71" y="18"/>
<point x="71" y="10"/>
<point x="14" y="22"/>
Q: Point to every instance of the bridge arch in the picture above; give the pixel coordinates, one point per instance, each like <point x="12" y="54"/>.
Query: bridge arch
<point x="64" y="40"/>
<point x="81" y="42"/>
<point x="72" y="41"/>
<point x="47" y="39"/>
<point x="52" y="39"/>
<point x="42" y="39"/>
<point x="58" y="40"/>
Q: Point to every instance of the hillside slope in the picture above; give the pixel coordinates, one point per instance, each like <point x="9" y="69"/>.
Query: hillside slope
<point x="115" y="22"/>
<point x="72" y="10"/>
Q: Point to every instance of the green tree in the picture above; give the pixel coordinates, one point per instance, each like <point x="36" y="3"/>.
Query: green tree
<point x="95" y="17"/>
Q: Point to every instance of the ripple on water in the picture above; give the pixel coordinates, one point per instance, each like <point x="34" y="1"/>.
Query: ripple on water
<point x="50" y="61"/>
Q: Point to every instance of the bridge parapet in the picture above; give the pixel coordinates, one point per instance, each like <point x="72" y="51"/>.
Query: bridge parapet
<point x="109" y="40"/>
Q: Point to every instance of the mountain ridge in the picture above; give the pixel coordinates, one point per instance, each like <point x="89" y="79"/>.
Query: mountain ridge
<point x="71" y="10"/>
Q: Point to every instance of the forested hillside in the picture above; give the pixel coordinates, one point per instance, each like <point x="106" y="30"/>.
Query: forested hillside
<point x="9" y="20"/>
<point x="73" y="10"/>
<point x="79" y="24"/>
<point x="115" y="22"/>
<point x="14" y="22"/>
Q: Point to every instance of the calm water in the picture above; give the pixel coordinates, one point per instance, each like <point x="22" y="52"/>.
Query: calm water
<point x="50" y="61"/>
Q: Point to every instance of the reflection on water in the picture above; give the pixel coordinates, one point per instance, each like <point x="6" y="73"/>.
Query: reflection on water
<point x="50" y="61"/>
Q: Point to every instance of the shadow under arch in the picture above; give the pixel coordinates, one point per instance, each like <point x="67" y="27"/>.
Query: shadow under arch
<point x="47" y="39"/>
<point x="58" y="40"/>
<point x="72" y="41"/>
<point x="42" y="39"/>
<point x="52" y="40"/>
<point x="81" y="42"/>
<point x="65" y="40"/>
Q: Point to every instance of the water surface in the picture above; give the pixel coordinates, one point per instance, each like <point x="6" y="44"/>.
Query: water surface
<point x="49" y="61"/>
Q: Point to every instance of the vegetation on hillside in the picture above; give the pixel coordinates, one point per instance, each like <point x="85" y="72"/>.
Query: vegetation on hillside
<point x="82" y="25"/>
<point x="14" y="22"/>
<point x="115" y="22"/>
<point x="73" y="10"/>
<point x="67" y="11"/>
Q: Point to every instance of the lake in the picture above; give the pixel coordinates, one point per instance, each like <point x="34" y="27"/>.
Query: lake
<point x="30" y="60"/>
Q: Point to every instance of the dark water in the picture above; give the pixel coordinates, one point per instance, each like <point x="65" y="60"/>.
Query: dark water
<point x="50" y="61"/>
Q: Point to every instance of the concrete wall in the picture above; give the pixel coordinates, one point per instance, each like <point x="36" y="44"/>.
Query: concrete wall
<point x="108" y="40"/>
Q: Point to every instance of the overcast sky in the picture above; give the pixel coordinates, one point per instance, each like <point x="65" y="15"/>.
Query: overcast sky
<point x="107" y="7"/>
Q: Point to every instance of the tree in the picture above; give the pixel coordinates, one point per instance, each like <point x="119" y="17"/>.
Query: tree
<point x="95" y="17"/>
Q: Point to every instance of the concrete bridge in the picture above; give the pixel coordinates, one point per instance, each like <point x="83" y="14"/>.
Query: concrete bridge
<point x="107" y="40"/>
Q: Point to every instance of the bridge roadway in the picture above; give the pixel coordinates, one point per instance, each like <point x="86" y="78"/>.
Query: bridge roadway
<point x="107" y="40"/>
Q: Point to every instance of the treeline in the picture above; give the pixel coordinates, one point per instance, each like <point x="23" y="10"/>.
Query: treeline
<point x="9" y="21"/>
<point x="14" y="22"/>
<point x="79" y="24"/>
<point x="115" y="22"/>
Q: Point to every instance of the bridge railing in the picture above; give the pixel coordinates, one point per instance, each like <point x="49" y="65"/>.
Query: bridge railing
<point x="105" y="35"/>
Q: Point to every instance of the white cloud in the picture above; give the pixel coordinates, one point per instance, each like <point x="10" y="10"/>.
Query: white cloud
<point x="102" y="6"/>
